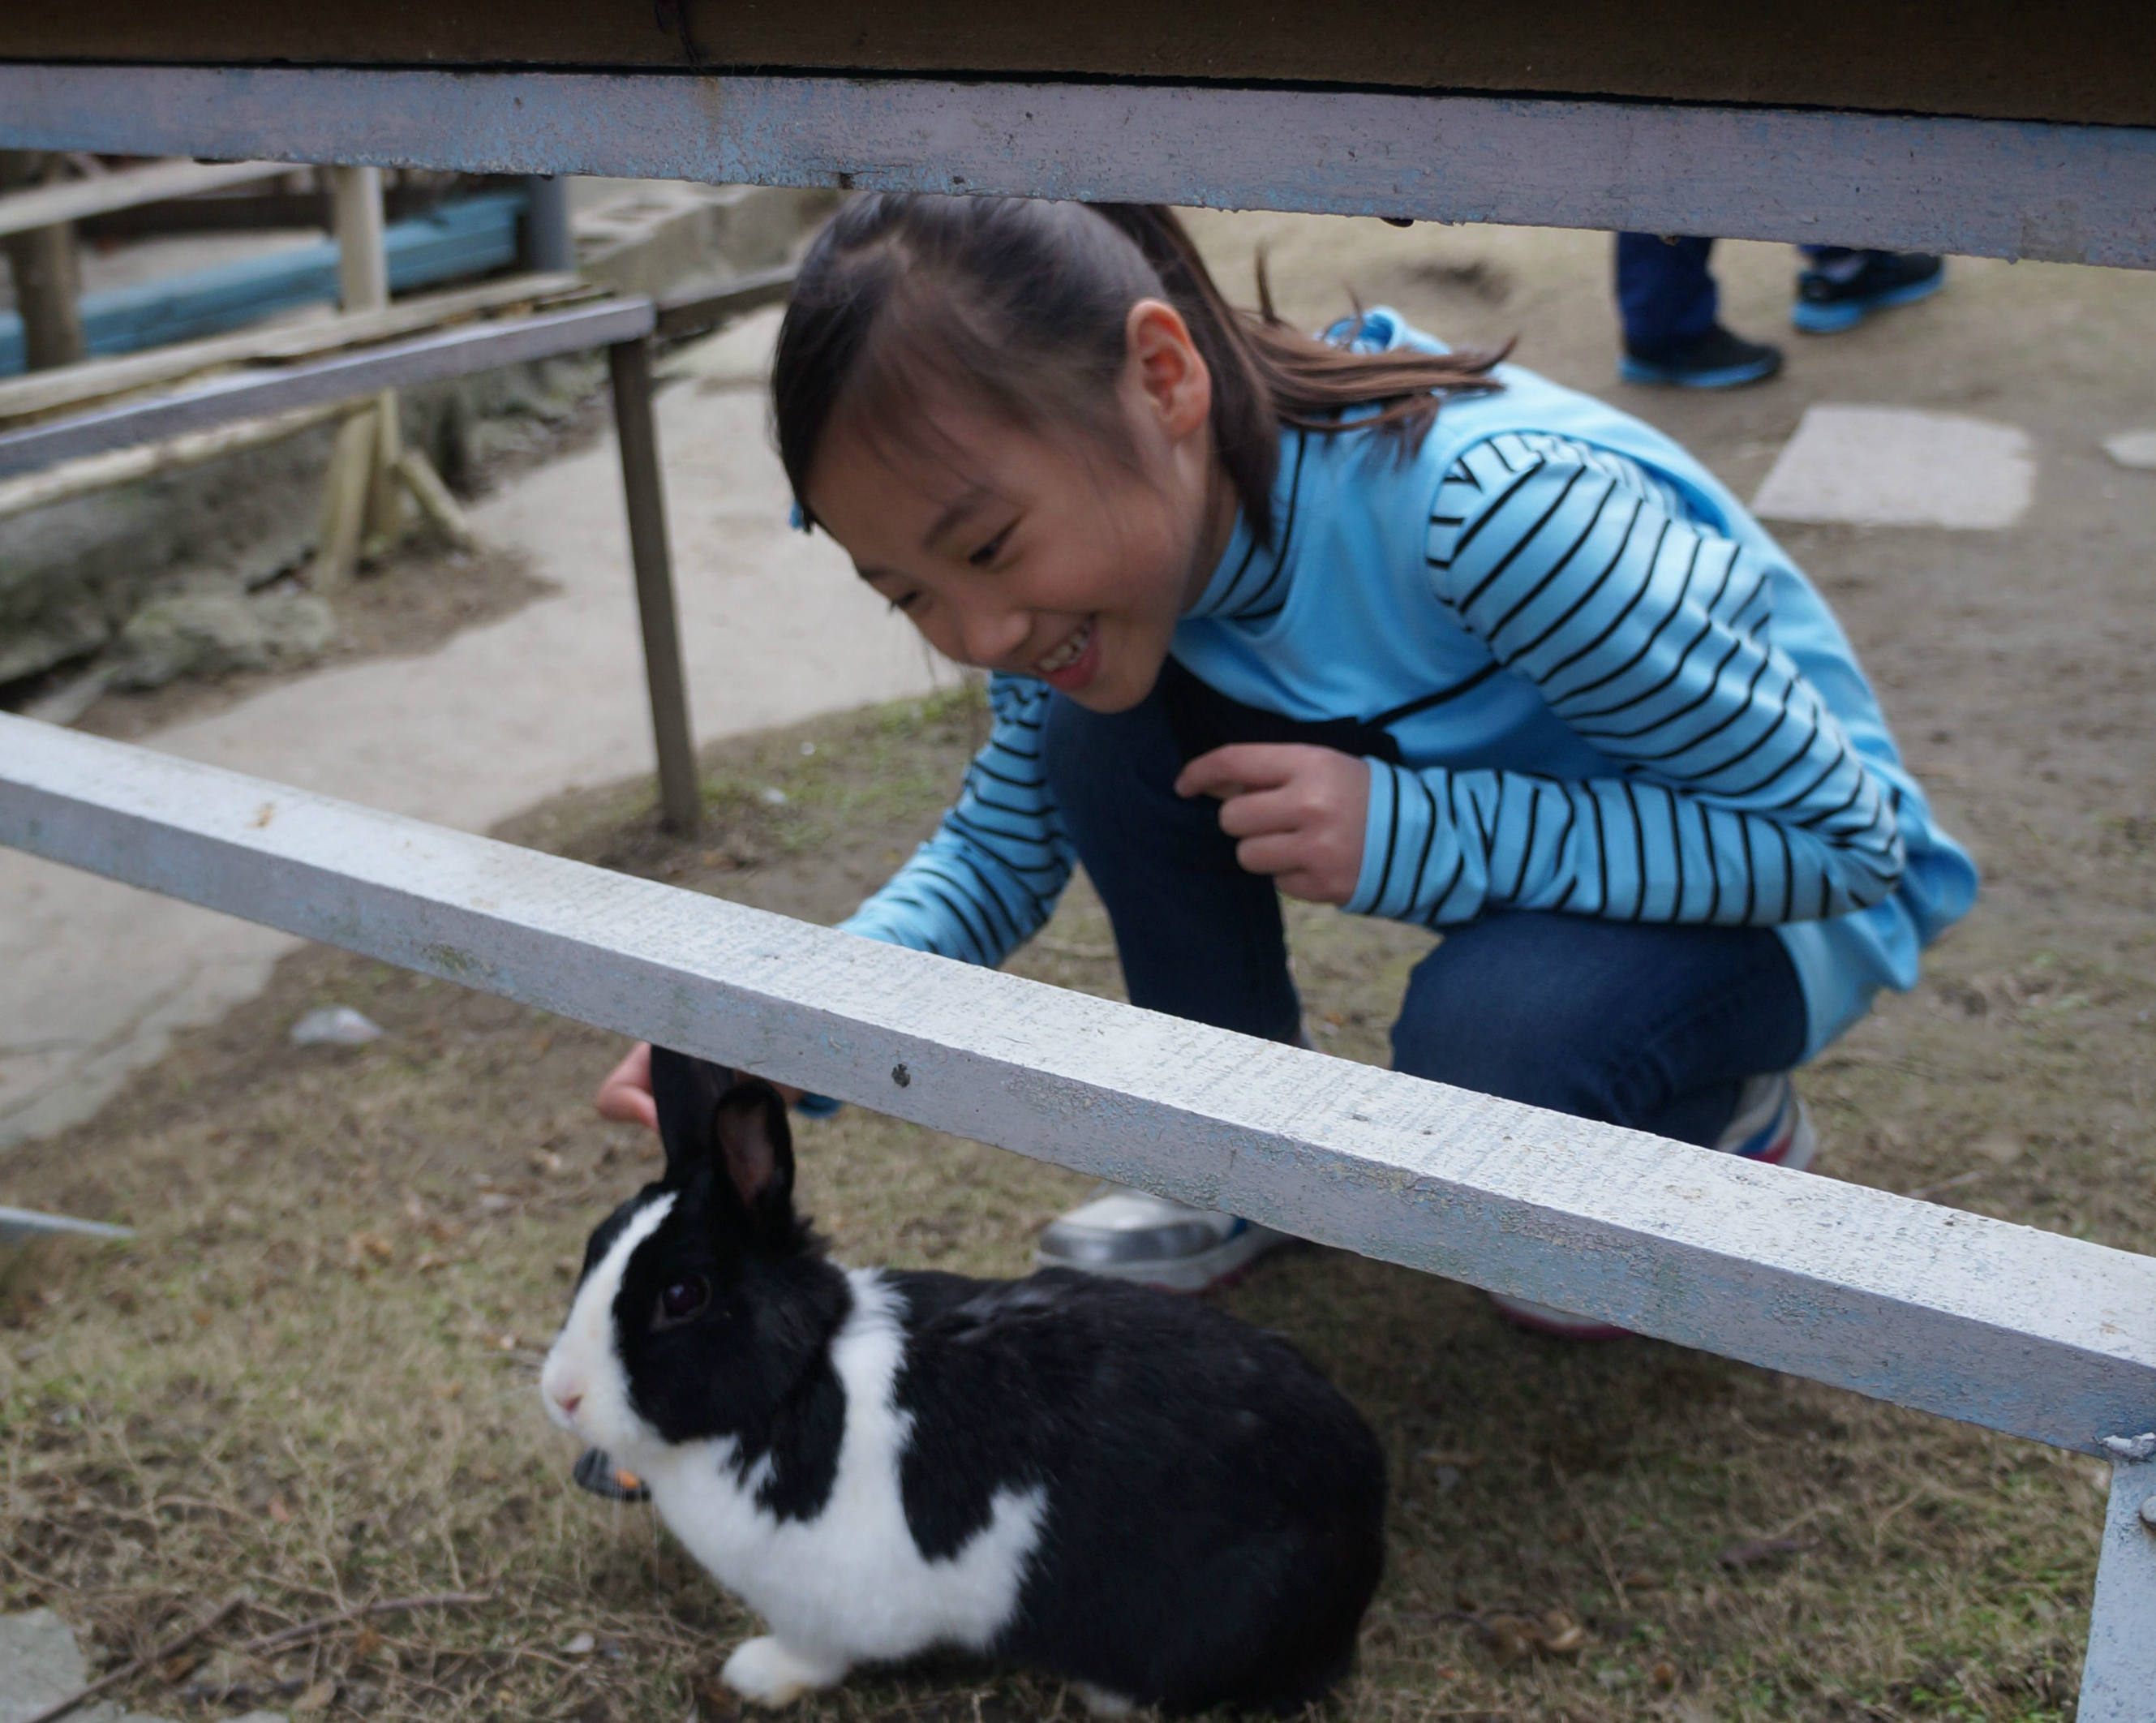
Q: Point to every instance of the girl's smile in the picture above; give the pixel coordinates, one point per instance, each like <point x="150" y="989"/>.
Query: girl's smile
<point x="1037" y="551"/>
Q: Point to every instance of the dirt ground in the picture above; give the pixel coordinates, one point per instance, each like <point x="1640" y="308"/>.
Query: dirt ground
<point x="311" y="1375"/>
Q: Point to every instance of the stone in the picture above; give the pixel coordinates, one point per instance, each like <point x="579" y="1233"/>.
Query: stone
<point x="335" y="1025"/>
<point x="1895" y="466"/>
<point x="41" y="1663"/>
<point x="2134" y="449"/>
<point x="209" y="632"/>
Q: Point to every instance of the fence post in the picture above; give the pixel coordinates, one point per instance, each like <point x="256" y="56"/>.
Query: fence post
<point x="548" y="245"/>
<point x="680" y="799"/>
<point x="47" y="275"/>
<point x="2118" y="1673"/>
<point x="363" y="501"/>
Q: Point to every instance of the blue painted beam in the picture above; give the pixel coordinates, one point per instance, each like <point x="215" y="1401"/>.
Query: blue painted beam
<point x="469" y="237"/>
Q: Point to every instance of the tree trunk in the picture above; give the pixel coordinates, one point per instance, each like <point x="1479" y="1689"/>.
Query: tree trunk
<point x="48" y="280"/>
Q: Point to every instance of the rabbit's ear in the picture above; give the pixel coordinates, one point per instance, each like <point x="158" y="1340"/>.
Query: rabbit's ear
<point x="686" y="1093"/>
<point x="755" y="1147"/>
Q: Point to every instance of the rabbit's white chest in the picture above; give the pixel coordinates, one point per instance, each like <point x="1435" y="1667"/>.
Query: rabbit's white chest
<point x="851" y="1581"/>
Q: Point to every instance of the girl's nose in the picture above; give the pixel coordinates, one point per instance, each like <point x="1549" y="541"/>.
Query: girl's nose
<point x="992" y="636"/>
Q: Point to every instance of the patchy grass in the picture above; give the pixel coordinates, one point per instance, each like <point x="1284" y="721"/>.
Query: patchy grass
<point x="311" y="1373"/>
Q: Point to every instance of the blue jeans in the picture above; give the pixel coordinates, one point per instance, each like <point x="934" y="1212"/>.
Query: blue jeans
<point x="1665" y="294"/>
<point x="1653" y="1027"/>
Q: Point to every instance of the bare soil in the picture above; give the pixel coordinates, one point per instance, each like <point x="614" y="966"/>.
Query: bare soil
<point x="312" y="1371"/>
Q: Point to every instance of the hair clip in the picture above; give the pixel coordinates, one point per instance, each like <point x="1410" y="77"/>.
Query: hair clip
<point x="797" y="518"/>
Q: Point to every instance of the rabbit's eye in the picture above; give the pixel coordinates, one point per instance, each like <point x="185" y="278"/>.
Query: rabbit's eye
<point x="682" y="1300"/>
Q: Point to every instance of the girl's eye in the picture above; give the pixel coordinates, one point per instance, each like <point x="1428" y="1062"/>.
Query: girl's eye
<point x="682" y="1301"/>
<point x="989" y="552"/>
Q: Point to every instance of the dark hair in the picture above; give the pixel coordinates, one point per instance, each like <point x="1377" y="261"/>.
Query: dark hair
<point x="1022" y="304"/>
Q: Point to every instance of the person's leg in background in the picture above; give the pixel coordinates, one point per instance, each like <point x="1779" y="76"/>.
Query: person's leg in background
<point x="1687" y="1032"/>
<point x="1839" y="287"/>
<point x="1199" y="937"/>
<point x="1667" y="303"/>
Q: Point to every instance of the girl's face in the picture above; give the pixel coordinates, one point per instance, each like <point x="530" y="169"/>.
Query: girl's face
<point x="1013" y="551"/>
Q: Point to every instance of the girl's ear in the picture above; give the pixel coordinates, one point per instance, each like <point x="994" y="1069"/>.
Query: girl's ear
<point x="756" y="1151"/>
<point x="1170" y="373"/>
<point x="686" y="1092"/>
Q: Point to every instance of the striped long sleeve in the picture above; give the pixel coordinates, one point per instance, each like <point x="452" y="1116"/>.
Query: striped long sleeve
<point x="1733" y="796"/>
<point x="989" y="878"/>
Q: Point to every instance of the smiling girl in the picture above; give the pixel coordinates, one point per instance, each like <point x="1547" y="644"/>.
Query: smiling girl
<point x="1364" y="621"/>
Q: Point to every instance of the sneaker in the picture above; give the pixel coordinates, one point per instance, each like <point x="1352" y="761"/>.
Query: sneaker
<point x="1133" y="1235"/>
<point x="596" y="1471"/>
<point x="1831" y="300"/>
<point x="1715" y="360"/>
<point x="1771" y="1124"/>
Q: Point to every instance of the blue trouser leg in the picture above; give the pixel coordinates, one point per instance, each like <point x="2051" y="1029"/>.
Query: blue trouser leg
<point x="1665" y="295"/>
<point x="1653" y="1027"/>
<point x="1199" y="936"/>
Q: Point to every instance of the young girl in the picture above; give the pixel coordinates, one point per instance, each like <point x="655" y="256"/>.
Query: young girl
<point x="1364" y="621"/>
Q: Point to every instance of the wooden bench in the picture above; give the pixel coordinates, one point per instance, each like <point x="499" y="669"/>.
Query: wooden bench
<point x="2018" y="132"/>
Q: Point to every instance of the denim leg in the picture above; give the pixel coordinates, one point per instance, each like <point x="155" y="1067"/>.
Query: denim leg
<point x="1665" y="295"/>
<point x="1199" y="936"/>
<point x="1652" y="1027"/>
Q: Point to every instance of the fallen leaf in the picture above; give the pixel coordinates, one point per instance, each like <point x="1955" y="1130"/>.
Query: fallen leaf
<point x="317" y="1697"/>
<point x="1664" y="1673"/>
<point x="278" y="1512"/>
<point x="714" y="1701"/>
<point x="177" y="1668"/>
<point x="581" y="1646"/>
<point x="1642" y="1579"/>
<point x="369" y="1642"/>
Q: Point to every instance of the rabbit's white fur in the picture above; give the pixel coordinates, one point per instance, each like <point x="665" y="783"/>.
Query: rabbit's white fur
<point x="850" y="1584"/>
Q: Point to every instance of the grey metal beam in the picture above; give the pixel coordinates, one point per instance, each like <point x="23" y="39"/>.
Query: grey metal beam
<point x="2075" y="193"/>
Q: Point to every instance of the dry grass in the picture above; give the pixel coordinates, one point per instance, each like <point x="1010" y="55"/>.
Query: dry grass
<point x="311" y="1375"/>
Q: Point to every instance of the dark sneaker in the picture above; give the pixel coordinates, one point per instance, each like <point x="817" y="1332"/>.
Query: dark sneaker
<point x="1826" y="306"/>
<point x="595" y="1472"/>
<point x="1715" y="360"/>
<point x="1771" y="1124"/>
<point x="1133" y="1235"/>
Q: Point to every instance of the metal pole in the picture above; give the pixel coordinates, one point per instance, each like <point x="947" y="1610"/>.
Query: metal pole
<point x="547" y="244"/>
<point x="680" y="798"/>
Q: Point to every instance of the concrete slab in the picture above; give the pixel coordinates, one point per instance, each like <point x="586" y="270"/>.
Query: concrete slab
<point x="1895" y="466"/>
<point x="94" y="978"/>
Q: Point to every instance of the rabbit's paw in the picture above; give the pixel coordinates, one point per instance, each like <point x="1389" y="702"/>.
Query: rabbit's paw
<point x="773" y="1674"/>
<point x="1102" y="1703"/>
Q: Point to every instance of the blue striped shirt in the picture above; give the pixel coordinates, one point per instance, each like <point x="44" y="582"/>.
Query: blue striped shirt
<point x="1609" y="724"/>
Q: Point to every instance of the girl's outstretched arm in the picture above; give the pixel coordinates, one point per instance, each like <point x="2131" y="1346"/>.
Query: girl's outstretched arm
<point x="988" y="879"/>
<point x="1736" y="798"/>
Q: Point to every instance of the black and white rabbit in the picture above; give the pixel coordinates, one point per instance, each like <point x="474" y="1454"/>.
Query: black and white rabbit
<point x="1124" y="1488"/>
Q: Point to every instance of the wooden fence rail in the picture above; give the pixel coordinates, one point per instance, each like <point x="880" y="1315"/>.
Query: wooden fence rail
<point x="2020" y="1330"/>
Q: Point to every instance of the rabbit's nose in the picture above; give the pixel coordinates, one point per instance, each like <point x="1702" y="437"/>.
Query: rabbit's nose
<point x="568" y="1399"/>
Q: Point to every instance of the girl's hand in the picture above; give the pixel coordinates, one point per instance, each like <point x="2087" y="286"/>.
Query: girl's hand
<point x="1299" y="812"/>
<point x="626" y="1093"/>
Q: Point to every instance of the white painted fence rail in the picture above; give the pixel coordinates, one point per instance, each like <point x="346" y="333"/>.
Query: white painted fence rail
<point x="1974" y="1319"/>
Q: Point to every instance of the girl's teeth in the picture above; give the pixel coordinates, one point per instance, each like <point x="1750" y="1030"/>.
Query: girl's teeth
<point x="1068" y="653"/>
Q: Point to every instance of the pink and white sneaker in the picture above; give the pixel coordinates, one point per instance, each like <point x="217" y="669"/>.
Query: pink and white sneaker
<point x="1771" y="1124"/>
